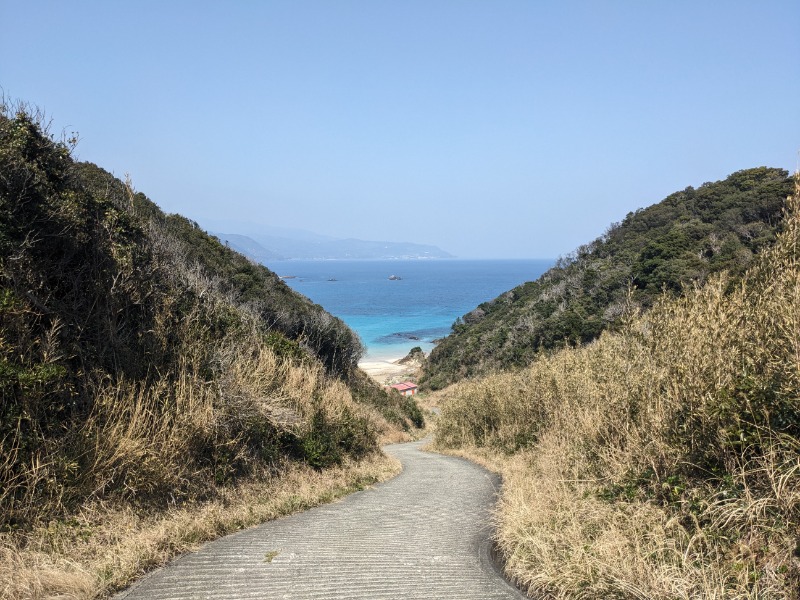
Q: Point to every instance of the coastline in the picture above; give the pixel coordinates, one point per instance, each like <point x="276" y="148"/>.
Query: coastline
<point x="387" y="370"/>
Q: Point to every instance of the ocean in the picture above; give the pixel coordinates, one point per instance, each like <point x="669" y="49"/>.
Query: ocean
<point x="393" y="315"/>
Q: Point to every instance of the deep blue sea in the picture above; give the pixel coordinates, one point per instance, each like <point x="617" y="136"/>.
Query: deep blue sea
<point x="391" y="317"/>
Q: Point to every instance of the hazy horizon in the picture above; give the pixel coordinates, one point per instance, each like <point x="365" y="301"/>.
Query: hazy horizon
<point x="250" y="229"/>
<point x="489" y="129"/>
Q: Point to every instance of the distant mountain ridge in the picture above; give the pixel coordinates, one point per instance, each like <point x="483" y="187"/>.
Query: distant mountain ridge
<point x="249" y="247"/>
<point x="277" y="244"/>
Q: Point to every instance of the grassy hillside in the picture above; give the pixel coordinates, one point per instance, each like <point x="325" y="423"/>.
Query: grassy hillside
<point x="661" y="460"/>
<point x="684" y="239"/>
<point x="246" y="282"/>
<point x="145" y="365"/>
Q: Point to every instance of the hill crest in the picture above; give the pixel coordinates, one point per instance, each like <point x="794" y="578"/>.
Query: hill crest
<point x="679" y="241"/>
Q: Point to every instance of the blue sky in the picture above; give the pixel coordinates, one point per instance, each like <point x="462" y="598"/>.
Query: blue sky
<point x="493" y="129"/>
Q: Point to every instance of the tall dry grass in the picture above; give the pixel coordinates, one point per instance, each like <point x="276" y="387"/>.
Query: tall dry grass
<point x="661" y="461"/>
<point x="231" y="407"/>
<point x="146" y="369"/>
<point x="105" y="546"/>
<point x="233" y="435"/>
<point x="157" y="469"/>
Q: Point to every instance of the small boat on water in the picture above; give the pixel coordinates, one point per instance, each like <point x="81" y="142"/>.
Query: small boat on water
<point x="394" y="278"/>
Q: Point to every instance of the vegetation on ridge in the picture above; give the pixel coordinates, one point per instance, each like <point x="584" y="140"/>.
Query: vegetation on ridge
<point x="661" y="460"/>
<point x="684" y="239"/>
<point x="145" y="365"/>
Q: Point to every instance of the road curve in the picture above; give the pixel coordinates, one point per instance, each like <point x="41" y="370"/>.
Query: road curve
<point x="424" y="534"/>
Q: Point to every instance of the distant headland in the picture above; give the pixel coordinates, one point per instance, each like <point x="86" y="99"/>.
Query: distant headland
<point x="276" y="244"/>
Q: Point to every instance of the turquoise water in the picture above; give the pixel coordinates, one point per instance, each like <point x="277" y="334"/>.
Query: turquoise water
<point x="391" y="317"/>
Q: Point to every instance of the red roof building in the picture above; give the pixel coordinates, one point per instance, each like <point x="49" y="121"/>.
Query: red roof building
<point x="406" y="388"/>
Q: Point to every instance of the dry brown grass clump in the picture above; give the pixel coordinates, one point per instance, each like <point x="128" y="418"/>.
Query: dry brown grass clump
<point x="232" y="408"/>
<point x="661" y="461"/>
<point x="155" y="470"/>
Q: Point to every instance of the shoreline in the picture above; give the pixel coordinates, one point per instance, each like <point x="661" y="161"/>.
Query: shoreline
<point x="387" y="370"/>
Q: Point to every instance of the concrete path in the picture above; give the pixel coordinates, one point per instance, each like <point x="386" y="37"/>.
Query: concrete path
<point x="424" y="534"/>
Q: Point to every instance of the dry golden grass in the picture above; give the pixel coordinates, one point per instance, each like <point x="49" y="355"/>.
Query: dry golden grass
<point x="157" y="469"/>
<point x="661" y="461"/>
<point x="102" y="549"/>
<point x="221" y="412"/>
<point x="155" y="387"/>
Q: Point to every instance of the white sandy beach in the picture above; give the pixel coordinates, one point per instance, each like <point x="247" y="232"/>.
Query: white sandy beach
<point x="387" y="370"/>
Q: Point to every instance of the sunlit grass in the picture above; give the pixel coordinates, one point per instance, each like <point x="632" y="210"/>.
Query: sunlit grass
<point x="662" y="460"/>
<point x="103" y="547"/>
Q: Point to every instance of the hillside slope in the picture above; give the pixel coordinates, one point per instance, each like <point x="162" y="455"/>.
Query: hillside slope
<point x="248" y="284"/>
<point x="141" y="360"/>
<point x="685" y="238"/>
<point x="661" y="460"/>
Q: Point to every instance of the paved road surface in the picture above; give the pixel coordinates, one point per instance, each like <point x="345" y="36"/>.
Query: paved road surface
<point x="424" y="534"/>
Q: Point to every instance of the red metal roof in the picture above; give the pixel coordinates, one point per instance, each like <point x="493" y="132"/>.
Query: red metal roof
<point x="406" y="385"/>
